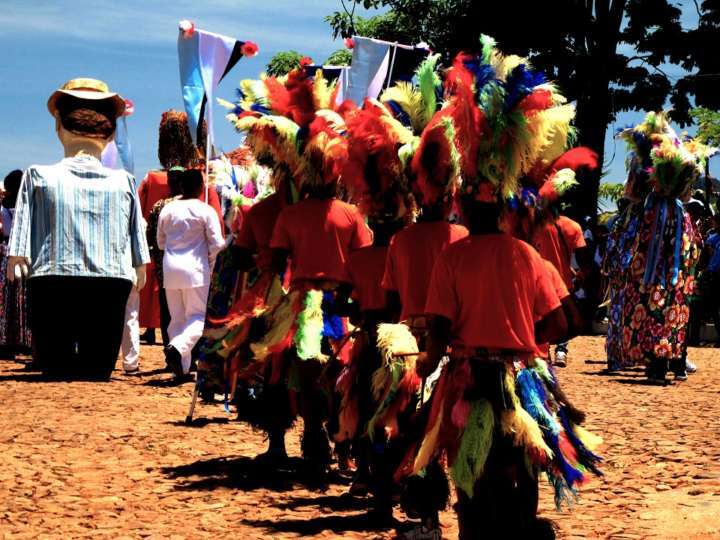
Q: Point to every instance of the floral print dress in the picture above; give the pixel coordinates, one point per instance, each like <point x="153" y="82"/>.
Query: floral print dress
<point x="658" y="283"/>
<point x="616" y="264"/>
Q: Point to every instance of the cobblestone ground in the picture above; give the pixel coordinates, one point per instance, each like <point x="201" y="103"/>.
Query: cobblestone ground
<point x="115" y="460"/>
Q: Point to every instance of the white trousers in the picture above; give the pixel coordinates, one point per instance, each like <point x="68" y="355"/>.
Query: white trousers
<point x="130" y="346"/>
<point x="187" y="319"/>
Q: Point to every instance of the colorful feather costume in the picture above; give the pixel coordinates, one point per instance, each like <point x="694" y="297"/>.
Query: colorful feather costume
<point x="524" y="406"/>
<point x="507" y="122"/>
<point x="657" y="252"/>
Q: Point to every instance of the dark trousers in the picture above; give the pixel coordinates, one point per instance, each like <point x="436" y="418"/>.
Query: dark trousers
<point x="164" y="317"/>
<point x="77" y="324"/>
<point x="505" y="498"/>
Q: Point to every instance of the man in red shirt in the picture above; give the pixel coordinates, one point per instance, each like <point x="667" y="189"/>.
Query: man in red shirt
<point x="492" y="317"/>
<point x="558" y="238"/>
<point x="315" y="237"/>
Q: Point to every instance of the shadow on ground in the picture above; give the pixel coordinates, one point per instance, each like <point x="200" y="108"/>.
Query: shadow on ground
<point x="249" y="474"/>
<point x="316" y="525"/>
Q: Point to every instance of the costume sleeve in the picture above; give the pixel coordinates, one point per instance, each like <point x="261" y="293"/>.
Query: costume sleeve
<point x="363" y="236"/>
<point x="546" y="299"/>
<point x="556" y="279"/>
<point x="388" y="281"/>
<point x="441" y="297"/>
<point x="573" y="234"/>
<point x="281" y="233"/>
<point x="138" y="240"/>
<point x="20" y="234"/>
<point x="213" y="233"/>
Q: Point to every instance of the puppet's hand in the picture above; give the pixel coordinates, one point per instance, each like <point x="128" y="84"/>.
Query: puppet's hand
<point x="18" y="268"/>
<point x="141" y="277"/>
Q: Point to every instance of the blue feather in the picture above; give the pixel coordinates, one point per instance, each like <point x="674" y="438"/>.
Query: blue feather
<point x="519" y="84"/>
<point x="399" y="113"/>
<point x="333" y="327"/>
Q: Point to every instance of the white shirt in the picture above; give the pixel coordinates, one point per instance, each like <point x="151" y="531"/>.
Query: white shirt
<point x="189" y="233"/>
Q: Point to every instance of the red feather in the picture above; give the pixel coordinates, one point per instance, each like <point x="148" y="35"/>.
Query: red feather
<point x="431" y="162"/>
<point x="576" y="158"/>
<point x="301" y="104"/>
<point x="538" y="100"/>
<point x="278" y="96"/>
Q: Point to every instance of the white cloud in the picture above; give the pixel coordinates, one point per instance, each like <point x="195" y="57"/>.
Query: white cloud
<point x="273" y="24"/>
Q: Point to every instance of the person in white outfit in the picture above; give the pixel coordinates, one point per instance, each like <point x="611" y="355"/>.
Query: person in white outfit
<point x="130" y="346"/>
<point x="189" y="233"/>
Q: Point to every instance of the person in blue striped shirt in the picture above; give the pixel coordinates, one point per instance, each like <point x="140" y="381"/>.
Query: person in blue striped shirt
<point x="78" y="237"/>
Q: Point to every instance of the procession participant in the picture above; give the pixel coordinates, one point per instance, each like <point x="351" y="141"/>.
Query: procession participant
<point x="175" y="149"/>
<point x="78" y="235"/>
<point x="191" y="237"/>
<point x="618" y="253"/>
<point x="543" y="187"/>
<point x="15" y="335"/>
<point x="374" y="176"/>
<point x="663" y="253"/>
<point x="496" y="413"/>
<point x="157" y="254"/>
<point x="560" y="240"/>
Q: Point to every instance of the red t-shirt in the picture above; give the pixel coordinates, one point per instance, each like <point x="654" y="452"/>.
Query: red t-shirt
<point x="556" y="249"/>
<point x="320" y="234"/>
<point x="411" y="256"/>
<point x="366" y="267"/>
<point x="154" y="187"/>
<point x="257" y="228"/>
<point x="493" y="288"/>
<point x="560" y="289"/>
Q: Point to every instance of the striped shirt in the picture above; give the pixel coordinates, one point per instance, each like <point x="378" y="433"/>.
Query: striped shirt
<point x="78" y="218"/>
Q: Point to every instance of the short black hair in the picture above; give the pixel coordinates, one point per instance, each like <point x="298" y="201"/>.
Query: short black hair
<point x="12" y="181"/>
<point x="191" y="183"/>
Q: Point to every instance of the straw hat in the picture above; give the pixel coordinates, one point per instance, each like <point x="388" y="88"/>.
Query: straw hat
<point x="88" y="89"/>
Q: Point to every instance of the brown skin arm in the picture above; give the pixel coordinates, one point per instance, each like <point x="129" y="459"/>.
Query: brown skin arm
<point x="584" y="259"/>
<point x="552" y="328"/>
<point x="279" y="261"/>
<point x="393" y="305"/>
<point x="572" y="316"/>
<point x="438" y="340"/>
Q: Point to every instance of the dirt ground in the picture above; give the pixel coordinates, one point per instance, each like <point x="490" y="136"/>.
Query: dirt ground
<point x="82" y="460"/>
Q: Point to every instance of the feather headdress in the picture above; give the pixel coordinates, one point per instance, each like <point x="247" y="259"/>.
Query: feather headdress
<point x="670" y="164"/>
<point x="374" y="171"/>
<point x="525" y="120"/>
<point x="288" y="120"/>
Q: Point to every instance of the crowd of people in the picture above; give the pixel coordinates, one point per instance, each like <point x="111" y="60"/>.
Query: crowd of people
<point x="398" y="273"/>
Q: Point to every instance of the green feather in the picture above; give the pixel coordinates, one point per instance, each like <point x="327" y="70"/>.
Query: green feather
<point x="475" y="447"/>
<point x="428" y="82"/>
<point x="488" y="45"/>
<point x="308" y="338"/>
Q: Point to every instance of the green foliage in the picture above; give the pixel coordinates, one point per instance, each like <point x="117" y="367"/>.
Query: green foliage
<point x="708" y="123"/>
<point x="341" y="57"/>
<point x="283" y="63"/>
<point x="607" y="55"/>
<point x="612" y="192"/>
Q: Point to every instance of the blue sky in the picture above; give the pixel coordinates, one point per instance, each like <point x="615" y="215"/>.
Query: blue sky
<point x="132" y="45"/>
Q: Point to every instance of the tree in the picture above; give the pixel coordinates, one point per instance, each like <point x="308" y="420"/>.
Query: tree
<point x="708" y="123"/>
<point x="341" y="57"/>
<point x="283" y="63"/>
<point x="606" y="55"/>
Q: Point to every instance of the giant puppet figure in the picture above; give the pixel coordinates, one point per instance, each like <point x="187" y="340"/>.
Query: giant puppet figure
<point x="78" y="239"/>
